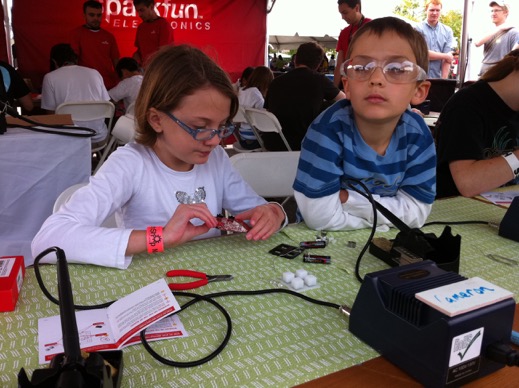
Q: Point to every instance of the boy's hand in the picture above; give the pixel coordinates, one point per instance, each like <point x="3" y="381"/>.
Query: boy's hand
<point x="179" y="228"/>
<point x="265" y="220"/>
<point x="344" y="195"/>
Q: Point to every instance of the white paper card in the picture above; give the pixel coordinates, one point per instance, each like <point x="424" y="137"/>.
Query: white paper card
<point x="112" y="327"/>
<point x="461" y="297"/>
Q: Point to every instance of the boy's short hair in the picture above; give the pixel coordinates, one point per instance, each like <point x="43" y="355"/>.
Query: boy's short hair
<point x="402" y="29"/>
<point x="309" y="54"/>
<point x="91" y="4"/>
<point x="62" y="53"/>
<point x="126" y="63"/>
<point x="173" y="73"/>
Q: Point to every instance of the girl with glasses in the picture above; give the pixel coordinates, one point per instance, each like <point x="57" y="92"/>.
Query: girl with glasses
<point x="167" y="187"/>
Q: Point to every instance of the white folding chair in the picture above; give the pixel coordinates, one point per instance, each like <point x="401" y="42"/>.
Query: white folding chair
<point x="241" y="118"/>
<point x="123" y="132"/>
<point x="65" y="196"/>
<point x="270" y="174"/>
<point x="130" y="109"/>
<point x="265" y="121"/>
<point x="87" y="111"/>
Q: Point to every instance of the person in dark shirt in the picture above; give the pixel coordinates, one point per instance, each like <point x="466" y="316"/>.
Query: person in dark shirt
<point x="14" y="87"/>
<point x="477" y="134"/>
<point x="297" y="97"/>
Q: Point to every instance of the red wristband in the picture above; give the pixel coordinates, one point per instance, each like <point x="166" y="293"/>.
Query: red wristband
<point x="154" y="240"/>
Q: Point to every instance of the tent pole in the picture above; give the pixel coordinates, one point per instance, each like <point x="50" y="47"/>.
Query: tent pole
<point x="464" y="58"/>
<point x="7" y="30"/>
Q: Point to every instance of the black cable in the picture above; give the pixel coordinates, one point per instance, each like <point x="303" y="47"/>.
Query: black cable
<point x="275" y="291"/>
<point x="503" y="354"/>
<point x="209" y="298"/>
<point x="369" y="197"/>
<point x="47" y="293"/>
<point x="395" y="221"/>
<point x="456" y="223"/>
<point x="76" y="130"/>
<point x="213" y="354"/>
<point x="196" y="298"/>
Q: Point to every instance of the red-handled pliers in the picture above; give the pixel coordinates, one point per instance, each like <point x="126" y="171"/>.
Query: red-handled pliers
<point x="204" y="279"/>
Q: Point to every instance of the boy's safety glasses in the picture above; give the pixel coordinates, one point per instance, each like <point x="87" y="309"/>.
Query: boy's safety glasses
<point x="203" y="134"/>
<point x="395" y="71"/>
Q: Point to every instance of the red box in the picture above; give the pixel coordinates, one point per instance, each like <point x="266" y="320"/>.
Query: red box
<point x="12" y="272"/>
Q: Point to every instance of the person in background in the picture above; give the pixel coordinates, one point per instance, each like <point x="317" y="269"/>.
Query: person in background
<point x="501" y="40"/>
<point x="253" y="96"/>
<point x="153" y="33"/>
<point x="371" y="137"/>
<point x="280" y="63"/>
<point x="439" y="38"/>
<point x="13" y="88"/>
<point x="323" y="67"/>
<point x="128" y="88"/>
<point x="95" y="47"/>
<point x="242" y="81"/>
<point x="70" y="82"/>
<point x="297" y="97"/>
<point x="477" y="133"/>
<point x="331" y="64"/>
<point x="272" y="63"/>
<point x="168" y="186"/>
<point x="351" y="12"/>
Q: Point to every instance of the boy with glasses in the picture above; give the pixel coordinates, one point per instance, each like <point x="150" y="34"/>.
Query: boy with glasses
<point x="501" y="40"/>
<point x="372" y="137"/>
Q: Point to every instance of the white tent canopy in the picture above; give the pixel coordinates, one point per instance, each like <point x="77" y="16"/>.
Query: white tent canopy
<point x="291" y="42"/>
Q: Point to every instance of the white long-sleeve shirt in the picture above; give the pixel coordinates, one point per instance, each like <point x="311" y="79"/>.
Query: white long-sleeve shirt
<point x="135" y="185"/>
<point x="328" y="213"/>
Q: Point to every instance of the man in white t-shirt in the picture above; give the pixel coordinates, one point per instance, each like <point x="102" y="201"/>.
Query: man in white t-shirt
<point x="70" y="82"/>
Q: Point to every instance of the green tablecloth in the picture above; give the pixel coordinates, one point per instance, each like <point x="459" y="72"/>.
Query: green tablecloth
<point x="277" y="340"/>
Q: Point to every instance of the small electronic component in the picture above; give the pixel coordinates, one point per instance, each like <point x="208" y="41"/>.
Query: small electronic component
<point x="286" y="251"/>
<point x="230" y="224"/>
<point x="307" y="258"/>
<point x="312" y="244"/>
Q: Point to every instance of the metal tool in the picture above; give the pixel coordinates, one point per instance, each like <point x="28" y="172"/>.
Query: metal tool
<point x="204" y="279"/>
<point x="502" y="259"/>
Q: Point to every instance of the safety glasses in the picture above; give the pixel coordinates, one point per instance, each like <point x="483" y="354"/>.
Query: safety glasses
<point x="395" y="71"/>
<point x="203" y="134"/>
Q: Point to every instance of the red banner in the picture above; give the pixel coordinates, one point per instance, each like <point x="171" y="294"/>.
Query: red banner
<point x="231" y="32"/>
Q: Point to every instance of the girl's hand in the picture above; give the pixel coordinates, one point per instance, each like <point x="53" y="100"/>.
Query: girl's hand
<point x="179" y="228"/>
<point x="265" y="220"/>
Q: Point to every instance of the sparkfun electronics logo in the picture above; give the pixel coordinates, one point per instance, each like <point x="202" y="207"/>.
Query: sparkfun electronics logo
<point x="182" y="16"/>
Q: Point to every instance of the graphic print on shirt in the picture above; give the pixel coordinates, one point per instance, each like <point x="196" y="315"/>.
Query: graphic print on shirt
<point x="198" y="196"/>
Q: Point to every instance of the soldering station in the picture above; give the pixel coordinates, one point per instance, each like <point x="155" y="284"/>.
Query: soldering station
<point x="420" y="314"/>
